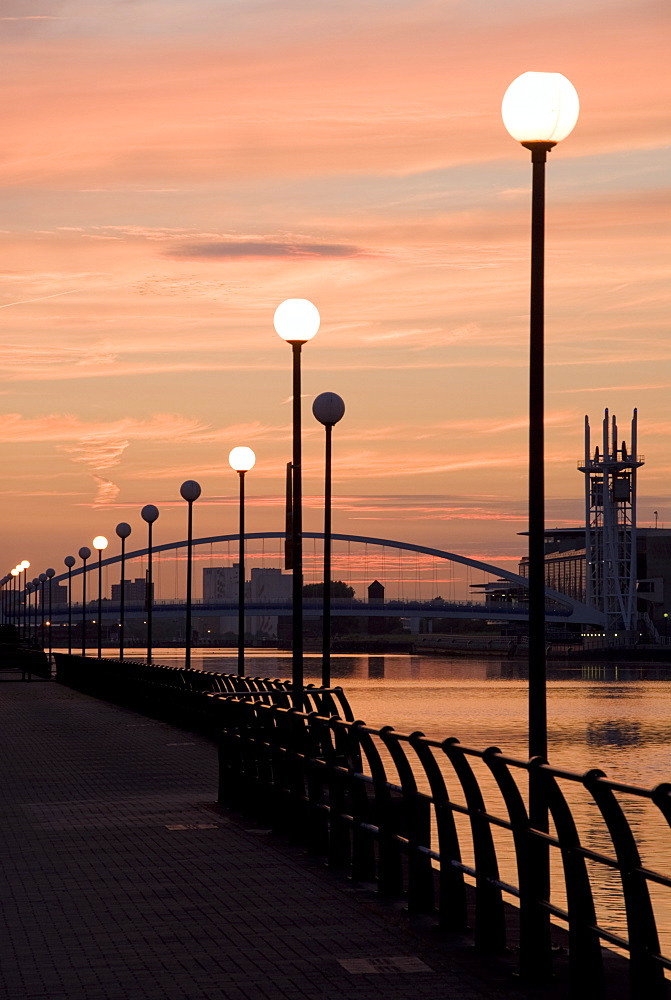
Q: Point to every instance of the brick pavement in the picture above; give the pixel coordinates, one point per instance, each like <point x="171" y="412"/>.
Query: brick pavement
<point x="122" y="879"/>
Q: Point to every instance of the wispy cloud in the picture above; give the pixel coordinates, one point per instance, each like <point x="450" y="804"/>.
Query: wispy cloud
<point x="241" y="249"/>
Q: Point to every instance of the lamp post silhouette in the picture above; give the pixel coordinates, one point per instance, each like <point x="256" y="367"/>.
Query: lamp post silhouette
<point x="241" y="460"/>
<point x="328" y="408"/>
<point x="539" y="109"/>
<point x="297" y="321"/>
<point x="84" y="554"/>
<point x="69" y="562"/>
<point x="23" y="566"/>
<point x="36" y="587"/>
<point x="43" y="579"/>
<point x="100" y="543"/>
<point x="29" y="610"/>
<point x="51" y="573"/>
<point x="149" y="514"/>
<point x="189" y="491"/>
<point x="123" y="530"/>
<point x="14" y="605"/>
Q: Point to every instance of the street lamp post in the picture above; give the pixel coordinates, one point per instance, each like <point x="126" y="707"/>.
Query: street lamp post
<point x="149" y="514"/>
<point x="69" y="562"/>
<point x="123" y="530"/>
<point x="328" y="408"/>
<point x="297" y="321"/>
<point x="28" y="589"/>
<point x="23" y="566"/>
<point x="539" y="109"/>
<point x="43" y="579"/>
<point x="84" y="554"/>
<point x="36" y="610"/>
<point x="14" y="606"/>
<point x="190" y="491"/>
<point x="100" y="543"/>
<point x="241" y="460"/>
<point x="51" y="573"/>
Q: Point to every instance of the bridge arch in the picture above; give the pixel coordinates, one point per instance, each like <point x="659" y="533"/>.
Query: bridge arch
<point x="579" y="612"/>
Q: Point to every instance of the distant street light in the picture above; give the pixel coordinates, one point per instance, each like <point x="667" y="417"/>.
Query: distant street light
<point x="149" y="514"/>
<point x="297" y="322"/>
<point x="43" y="580"/>
<point x="51" y="573"/>
<point x="190" y="491"/>
<point x="539" y="109"/>
<point x="328" y="408"/>
<point x="27" y="633"/>
<point x="123" y="530"/>
<point x="241" y="460"/>
<point x="84" y="554"/>
<point x="23" y="566"/>
<point x="69" y="562"/>
<point x="36" y="587"/>
<point x="14" y="605"/>
<point x="100" y="543"/>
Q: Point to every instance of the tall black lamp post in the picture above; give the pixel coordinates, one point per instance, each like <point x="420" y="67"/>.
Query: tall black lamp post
<point x="15" y="607"/>
<point x="43" y="579"/>
<point x="149" y="514"/>
<point x="241" y="460"/>
<point x="100" y="543"/>
<point x="51" y="573"/>
<point x="190" y="491"/>
<point x="297" y="321"/>
<point x="539" y="109"/>
<point x="36" y="609"/>
<point x="328" y="408"/>
<point x="123" y="530"/>
<point x="69" y="562"/>
<point x="28" y="590"/>
<point x="84" y="554"/>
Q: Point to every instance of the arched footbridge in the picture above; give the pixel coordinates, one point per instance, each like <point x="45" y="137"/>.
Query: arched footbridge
<point x="559" y="607"/>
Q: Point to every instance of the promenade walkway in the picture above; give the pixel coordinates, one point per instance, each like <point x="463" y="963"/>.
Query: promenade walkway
<point x="122" y="879"/>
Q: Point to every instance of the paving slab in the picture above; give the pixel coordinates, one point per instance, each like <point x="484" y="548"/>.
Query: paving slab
<point x="121" y="878"/>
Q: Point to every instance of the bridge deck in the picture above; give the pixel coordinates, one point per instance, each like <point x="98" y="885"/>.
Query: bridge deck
<point x="123" y="880"/>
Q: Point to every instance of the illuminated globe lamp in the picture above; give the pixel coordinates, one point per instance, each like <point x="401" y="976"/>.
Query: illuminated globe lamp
<point x="540" y="109"/>
<point x="100" y="543"/>
<point x="241" y="460"/>
<point x="297" y="321"/>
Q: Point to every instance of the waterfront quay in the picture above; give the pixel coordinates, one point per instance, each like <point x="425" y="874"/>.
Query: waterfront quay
<point x="123" y="879"/>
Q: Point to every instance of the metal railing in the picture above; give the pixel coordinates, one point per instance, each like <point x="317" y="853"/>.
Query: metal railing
<point x="409" y="814"/>
<point x="189" y="698"/>
<point x="325" y="781"/>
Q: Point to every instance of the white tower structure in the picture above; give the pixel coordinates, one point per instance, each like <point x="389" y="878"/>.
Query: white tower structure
<point x="610" y="525"/>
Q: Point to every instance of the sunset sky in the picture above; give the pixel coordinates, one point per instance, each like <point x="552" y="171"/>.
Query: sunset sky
<point x="172" y="171"/>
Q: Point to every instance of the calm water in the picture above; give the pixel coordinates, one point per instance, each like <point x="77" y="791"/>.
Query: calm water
<point x="617" y="718"/>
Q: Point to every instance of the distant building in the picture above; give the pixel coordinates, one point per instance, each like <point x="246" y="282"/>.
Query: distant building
<point x="220" y="583"/>
<point x="134" y="591"/>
